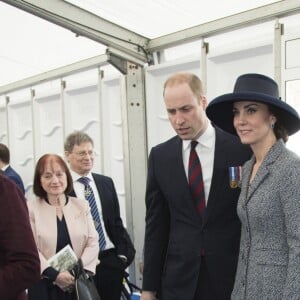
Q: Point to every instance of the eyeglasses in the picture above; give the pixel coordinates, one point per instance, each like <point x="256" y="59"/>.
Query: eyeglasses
<point x="85" y="153"/>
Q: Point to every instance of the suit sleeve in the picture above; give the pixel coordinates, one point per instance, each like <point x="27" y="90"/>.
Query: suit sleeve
<point x="156" y="232"/>
<point x="114" y="226"/>
<point x="19" y="261"/>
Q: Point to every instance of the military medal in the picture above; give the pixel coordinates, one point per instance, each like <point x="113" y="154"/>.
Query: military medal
<point x="235" y="176"/>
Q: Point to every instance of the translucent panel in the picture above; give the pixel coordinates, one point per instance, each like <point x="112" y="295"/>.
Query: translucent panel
<point x="292" y="49"/>
<point x="293" y="98"/>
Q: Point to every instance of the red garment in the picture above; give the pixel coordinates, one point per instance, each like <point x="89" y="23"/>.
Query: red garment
<point x="19" y="261"/>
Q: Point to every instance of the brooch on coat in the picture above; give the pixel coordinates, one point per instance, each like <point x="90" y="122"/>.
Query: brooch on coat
<point x="235" y="176"/>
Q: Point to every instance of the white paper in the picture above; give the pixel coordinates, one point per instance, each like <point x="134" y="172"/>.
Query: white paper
<point x="63" y="260"/>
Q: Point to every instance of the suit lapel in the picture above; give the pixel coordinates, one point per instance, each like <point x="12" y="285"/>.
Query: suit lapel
<point x="101" y="188"/>
<point x="176" y="166"/>
<point x="263" y="170"/>
<point x="219" y="169"/>
<point x="260" y="176"/>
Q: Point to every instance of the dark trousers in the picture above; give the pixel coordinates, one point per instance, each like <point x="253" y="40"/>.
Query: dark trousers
<point x="205" y="290"/>
<point x="109" y="275"/>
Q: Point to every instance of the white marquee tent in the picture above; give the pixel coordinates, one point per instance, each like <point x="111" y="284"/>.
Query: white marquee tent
<point x="99" y="66"/>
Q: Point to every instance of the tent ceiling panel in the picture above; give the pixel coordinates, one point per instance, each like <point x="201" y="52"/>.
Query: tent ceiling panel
<point x="31" y="45"/>
<point x="160" y="17"/>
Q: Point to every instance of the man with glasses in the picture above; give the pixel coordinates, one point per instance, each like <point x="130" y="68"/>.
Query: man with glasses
<point x="116" y="249"/>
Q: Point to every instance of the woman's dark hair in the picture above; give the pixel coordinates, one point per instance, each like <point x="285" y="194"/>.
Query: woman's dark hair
<point x="279" y="129"/>
<point x="40" y="168"/>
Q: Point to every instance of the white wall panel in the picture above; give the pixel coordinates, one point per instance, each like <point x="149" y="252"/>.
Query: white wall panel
<point x="291" y="73"/>
<point x="3" y="122"/>
<point x="225" y="68"/>
<point x="246" y="50"/>
<point x="21" y="139"/>
<point x="113" y="136"/>
<point x="48" y="125"/>
<point x="81" y="107"/>
<point x="292" y="48"/>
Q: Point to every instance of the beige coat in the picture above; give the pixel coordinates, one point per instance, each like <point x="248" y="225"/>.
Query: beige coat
<point x="82" y="232"/>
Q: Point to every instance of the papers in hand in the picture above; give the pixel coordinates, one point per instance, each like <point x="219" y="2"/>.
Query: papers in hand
<point x="63" y="260"/>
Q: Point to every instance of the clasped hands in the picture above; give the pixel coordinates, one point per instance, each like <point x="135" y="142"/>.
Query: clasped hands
<point x="65" y="281"/>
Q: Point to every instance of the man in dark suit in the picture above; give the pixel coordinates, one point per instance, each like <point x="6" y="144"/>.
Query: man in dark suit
<point x="190" y="254"/>
<point x="7" y="169"/>
<point x="117" y="252"/>
<point x="19" y="260"/>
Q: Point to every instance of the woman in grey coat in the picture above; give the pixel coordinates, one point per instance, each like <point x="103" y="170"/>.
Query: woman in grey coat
<point x="269" y="203"/>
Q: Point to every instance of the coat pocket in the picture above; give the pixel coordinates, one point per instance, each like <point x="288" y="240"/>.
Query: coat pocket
<point x="272" y="265"/>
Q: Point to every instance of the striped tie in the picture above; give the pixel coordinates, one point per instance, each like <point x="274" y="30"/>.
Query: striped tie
<point x="195" y="179"/>
<point x="89" y="196"/>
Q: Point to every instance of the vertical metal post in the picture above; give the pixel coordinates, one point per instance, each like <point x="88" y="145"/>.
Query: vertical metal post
<point x="278" y="31"/>
<point x="203" y="65"/>
<point x="135" y="158"/>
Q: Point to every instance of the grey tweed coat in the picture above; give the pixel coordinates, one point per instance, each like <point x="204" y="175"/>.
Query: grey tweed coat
<point x="269" y="259"/>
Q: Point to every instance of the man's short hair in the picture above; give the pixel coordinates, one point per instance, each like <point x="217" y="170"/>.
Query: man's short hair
<point x="193" y="81"/>
<point x="77" y="138"/>
<point x="4" y="154"/>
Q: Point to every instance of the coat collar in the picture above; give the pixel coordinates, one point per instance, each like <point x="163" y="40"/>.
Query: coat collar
<point x="263" y="171"/>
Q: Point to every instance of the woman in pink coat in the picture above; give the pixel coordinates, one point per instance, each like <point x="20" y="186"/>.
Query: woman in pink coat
<point x="58" y="220"/>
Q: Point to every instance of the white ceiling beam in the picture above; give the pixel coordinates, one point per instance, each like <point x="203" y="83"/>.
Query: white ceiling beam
<point x="86" y="24"/>
<point x="82" y="65"/>
<point x="253" y="16"/>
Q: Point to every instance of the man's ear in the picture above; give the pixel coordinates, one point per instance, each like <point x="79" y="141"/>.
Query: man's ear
<point x="67" y="153"/>
<point x="203" y="102"/>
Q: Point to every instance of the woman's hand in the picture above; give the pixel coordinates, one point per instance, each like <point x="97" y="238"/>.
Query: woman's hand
<point x="65" y="281"/>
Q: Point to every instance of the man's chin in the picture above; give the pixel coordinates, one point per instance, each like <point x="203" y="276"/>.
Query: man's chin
<point x="184" y="136"/>
<point x="85" y="171"/>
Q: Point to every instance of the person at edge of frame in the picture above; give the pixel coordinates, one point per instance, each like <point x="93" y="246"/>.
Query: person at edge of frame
<point x="268" y="207"/>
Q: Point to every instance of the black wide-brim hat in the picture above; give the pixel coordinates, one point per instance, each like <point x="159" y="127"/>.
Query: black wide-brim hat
<point x="257" y="88"/>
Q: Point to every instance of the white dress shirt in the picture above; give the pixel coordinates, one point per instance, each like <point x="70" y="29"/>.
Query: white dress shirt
<point x="206" y="153"/>
<point x="79" y="191"/>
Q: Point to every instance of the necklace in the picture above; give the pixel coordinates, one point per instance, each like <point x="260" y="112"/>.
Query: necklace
<point x="59" y="203"/>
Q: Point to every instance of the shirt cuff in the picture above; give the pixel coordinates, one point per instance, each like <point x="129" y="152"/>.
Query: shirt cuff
<point x="50" y="273"/>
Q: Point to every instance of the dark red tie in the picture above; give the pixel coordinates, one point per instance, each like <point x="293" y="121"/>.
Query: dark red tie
<point x="195" y="179"/>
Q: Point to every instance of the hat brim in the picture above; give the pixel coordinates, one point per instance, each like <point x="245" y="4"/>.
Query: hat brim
<point x="219" y="110"/>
